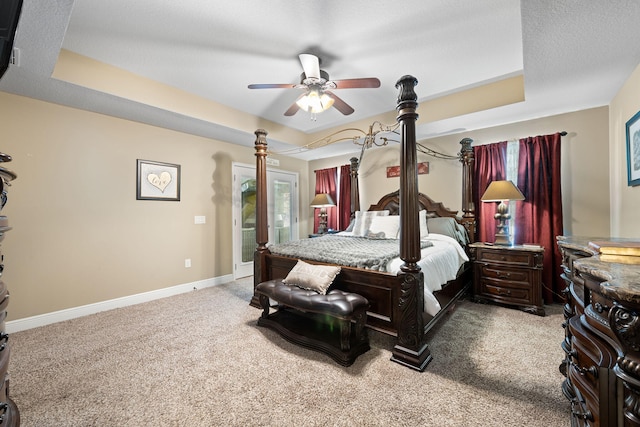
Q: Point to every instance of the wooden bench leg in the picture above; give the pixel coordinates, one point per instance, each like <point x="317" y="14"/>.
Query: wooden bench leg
<point x="264" y="302"/>
<point x="345" y="334"/>
<point x="361" y="332"/>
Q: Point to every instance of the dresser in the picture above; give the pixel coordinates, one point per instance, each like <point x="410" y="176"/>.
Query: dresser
<point x="508" y="275"/>
<point x="601" y="347"/>
<point x="9" y="415"/>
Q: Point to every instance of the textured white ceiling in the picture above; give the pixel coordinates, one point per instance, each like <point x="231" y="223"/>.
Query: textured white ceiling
<point x="573" y="54"/>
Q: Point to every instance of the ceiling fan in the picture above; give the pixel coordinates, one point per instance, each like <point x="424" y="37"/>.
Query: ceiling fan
<point x="318" y="96"/>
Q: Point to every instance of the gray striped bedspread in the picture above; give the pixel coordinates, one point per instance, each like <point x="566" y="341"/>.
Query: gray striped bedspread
<point x="350" y="251"/>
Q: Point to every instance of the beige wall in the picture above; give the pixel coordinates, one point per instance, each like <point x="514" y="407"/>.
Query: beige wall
<point x="79" y="234"/>
<point x="585" y="167"/>
<point x="80" y="237"/>
<point x="625" y="200"/>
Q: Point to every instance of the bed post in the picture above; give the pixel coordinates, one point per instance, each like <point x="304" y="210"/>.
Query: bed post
<point x="411" y="348"/>
<point x="262" y="232"/>
<point x="467" y="158"/>
<point x="355" y="190"/>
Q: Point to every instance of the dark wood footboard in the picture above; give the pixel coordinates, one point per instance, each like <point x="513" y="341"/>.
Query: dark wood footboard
<point x="381" y="289"/>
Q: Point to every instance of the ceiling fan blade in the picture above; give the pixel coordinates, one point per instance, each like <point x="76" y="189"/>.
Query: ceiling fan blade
<point x="294" y="108"/>
<point x="339" y="104"/>
<point x="310" y="65"/>
<point x="271" y="86"/>
<point x="367" y="82"/>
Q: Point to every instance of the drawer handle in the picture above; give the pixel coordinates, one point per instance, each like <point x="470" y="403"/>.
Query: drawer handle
<point x="600" y="308"/>
<point x="584" y="371"/>
<point x="502" y="275"/>
<point x="504" y="292"/>
<point x="503" y="258"/>
<point x="3" y="408"/>
<point x="586" y="416"/>
<point x="579" y="414"/>
<point x="4" y="337"/>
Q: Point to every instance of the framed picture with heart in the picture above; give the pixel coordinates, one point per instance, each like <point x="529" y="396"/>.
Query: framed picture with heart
<point x="157" y="181"/>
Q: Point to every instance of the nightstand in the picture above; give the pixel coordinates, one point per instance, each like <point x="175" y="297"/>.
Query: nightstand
<point x="509" y="275"/>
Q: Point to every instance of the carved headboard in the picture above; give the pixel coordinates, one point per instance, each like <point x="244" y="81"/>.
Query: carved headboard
<point x="391" y="202"/>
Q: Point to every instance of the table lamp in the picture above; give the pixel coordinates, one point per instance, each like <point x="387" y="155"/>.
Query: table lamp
<point x="503" y="192"/>
<point x="322" y="201"/>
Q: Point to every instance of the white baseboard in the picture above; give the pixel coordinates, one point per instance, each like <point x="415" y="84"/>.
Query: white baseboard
<point x="84" y="310"/>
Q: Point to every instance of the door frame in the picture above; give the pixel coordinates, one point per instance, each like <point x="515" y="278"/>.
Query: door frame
<point x="244" y="269"/>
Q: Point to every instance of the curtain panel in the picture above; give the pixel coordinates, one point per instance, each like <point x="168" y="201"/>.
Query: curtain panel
<point x="539" y="216"/>
<point x="326" y="183"/>
<point x="490" y="165"/>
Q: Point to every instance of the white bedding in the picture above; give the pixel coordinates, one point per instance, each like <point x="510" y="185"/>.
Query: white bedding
<point x="439" y="263"/>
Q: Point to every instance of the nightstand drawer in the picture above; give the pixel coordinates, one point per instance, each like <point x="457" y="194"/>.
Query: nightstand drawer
<point x="492" y="271"/>
<point x="511" y="257"/>
<point x="506" y="293"/>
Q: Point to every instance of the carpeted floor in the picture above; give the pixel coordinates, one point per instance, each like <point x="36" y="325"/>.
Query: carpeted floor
<point x="197" y="359"/>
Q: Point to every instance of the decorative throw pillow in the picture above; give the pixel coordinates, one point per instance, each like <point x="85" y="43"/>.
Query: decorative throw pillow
<point x="316" y="278"/>
<point x="363" y="221"/>
<point x="449" y="227"/>
<point x="387" y="225"/>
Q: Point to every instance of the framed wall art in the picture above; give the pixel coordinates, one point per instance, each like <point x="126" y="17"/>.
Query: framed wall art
<point x="157" y="181"/>
<point x="394" y="171"/>
<point x="633" y="150"/>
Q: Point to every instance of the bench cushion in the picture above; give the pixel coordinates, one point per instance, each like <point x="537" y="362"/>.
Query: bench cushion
<point x="337" y="303"/>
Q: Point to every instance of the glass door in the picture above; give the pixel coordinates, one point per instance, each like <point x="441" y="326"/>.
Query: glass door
<point x="282" y="213"/>
<point x="282" y="209"/>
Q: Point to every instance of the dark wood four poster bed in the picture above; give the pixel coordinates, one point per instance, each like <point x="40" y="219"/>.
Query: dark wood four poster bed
<point x="396" y="299"/>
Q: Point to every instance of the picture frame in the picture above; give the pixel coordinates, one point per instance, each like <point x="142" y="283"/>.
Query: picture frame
<point x="157" y="181"/>
<point x="394" y="171"/>
<point x="633" y="150"/>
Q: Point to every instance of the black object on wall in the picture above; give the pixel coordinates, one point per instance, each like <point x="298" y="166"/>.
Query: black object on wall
<point x="9" y="15"/>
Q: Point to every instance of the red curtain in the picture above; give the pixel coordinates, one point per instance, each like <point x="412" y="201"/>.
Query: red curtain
<point x="344" y="201"/>
<point x="490" y="165"/>
<point x="539" y="216"/>
<point x="326" y="183"/>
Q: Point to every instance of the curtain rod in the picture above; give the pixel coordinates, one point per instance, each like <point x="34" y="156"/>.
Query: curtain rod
<point x="562" y="133"/>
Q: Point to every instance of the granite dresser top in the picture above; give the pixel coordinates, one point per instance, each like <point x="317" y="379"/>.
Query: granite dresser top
<point x="620" y="280"/>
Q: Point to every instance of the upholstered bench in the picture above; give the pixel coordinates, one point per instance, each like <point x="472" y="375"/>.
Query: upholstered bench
<point x="331" y="323"/>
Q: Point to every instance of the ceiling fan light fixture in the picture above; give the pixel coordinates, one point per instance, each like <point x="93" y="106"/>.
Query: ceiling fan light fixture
<point x="319" y="96"/>
<point x="314" y="102"/>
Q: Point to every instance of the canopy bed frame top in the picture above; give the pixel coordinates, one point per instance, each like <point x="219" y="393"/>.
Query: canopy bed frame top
<point x="396" y="300"/>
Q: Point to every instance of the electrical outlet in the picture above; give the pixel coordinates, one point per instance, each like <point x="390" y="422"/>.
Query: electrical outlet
<point x="187" y="263"/>
<point x="200" y="219"/>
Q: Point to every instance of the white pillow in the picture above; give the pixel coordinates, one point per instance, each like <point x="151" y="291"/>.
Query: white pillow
<point x="424" y="230"/>
<point x="363" y="221"/>
<point x="312" y="277"/>
<point x="387" y="225"/>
